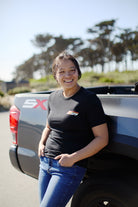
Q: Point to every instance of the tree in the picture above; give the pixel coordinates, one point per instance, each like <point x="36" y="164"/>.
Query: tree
<point x="87" y="57"/>
<point x="102" y="41"/>
<point x="103" y="47"/>
<point x="61" y="44"/>
<point x="133" y="46"/>
<point x="42" y="41"/>
<point x="127" y="39"/>
<point x="117" y="52"/>
<point x="25" y="71"/>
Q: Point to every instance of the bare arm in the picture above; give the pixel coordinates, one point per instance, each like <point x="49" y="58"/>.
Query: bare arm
<point x="100" y="141"/>
<point x="43" y="139"/>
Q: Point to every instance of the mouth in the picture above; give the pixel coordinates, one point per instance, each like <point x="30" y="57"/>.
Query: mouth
<point x="68" y="81"/>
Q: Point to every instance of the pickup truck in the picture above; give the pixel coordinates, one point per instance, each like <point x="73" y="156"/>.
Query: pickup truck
<point x="112" y="174"/>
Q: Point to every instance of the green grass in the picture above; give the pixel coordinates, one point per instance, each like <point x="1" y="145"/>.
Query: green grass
<point x="43" y="84"/>
<point x="18" y="90"/>
<point x="110" y="78"/>
<point x="1" y="94"/>
<point x="5" y="103"/>
<point x="89" y="79"/>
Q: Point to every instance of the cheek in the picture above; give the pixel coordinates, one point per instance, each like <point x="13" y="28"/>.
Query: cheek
<point x="76" y="77"/>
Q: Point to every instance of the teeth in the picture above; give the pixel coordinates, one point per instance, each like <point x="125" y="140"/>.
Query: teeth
<point x="68" y="81"/>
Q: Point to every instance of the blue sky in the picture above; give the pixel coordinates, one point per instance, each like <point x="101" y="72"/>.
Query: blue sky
<point x="21" y="20"/>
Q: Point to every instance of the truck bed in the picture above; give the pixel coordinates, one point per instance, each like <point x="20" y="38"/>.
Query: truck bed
<point x="121" y="108"/>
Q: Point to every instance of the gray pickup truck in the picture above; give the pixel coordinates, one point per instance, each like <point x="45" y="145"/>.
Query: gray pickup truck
<point x="112" y="174"/>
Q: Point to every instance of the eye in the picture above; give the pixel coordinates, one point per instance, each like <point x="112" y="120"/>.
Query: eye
<point x="73" y="70"/>
<point x="61" y="72"/>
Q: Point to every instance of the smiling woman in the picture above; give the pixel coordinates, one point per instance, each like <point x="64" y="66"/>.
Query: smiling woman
<point x="67" y="72"/>
<point x="64" y="56"/>
<point x="67" y="77"/>
<point x="73" y="133"/>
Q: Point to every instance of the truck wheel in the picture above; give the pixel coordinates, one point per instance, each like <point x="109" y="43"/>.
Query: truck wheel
<point x="104" y="194"/>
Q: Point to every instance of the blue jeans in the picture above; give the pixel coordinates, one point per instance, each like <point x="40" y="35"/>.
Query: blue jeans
<point x="56" y="183"/>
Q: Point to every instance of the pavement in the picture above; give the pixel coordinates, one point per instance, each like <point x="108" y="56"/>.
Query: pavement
<point x="16" y="189"/>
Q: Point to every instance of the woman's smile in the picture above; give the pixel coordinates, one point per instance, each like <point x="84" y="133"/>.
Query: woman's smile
<point x="68" y="81"/>
<point x="67" y="76"/>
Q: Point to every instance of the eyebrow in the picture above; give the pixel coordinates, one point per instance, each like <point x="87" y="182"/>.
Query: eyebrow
<point x="72" y="67"/>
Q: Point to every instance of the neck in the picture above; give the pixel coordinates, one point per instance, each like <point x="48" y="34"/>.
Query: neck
<point x="70" y="92"/>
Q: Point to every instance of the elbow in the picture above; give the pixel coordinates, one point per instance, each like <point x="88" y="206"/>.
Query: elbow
<point x="106" y="141"/>
<point x="106" y="138"/>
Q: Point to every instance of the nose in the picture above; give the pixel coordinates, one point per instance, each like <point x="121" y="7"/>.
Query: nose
<point x="68" y="73"/>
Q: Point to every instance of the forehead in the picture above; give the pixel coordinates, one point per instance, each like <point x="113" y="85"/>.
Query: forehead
<point x="64" y="64"/>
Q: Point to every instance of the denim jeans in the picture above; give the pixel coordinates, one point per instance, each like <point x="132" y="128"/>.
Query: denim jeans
<point x="56" y="183"/>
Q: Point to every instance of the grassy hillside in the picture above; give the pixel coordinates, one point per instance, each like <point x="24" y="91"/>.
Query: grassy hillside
<point x="89" y="79"/>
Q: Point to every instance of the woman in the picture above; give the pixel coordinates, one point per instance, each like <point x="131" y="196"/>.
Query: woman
<point x="76" y="129"/>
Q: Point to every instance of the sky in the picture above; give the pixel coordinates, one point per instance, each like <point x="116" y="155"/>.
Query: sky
<point x="21" y="20"/>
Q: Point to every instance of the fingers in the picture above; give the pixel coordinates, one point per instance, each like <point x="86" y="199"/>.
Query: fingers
<point x="58" y="157"/>
<point x="64" y="160"/>
<point x="41" y="151"/>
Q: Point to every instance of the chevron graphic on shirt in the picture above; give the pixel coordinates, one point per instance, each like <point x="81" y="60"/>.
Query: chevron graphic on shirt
<point x="73" y="113"/>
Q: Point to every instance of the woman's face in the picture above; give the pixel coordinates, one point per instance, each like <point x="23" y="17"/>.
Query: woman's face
<point x="66" y="74"/>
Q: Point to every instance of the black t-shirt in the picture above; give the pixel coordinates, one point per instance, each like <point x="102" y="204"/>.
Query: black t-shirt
<point x="71" y="120"/>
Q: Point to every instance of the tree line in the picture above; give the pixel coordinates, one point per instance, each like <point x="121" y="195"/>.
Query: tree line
<point x="107" y="43"/>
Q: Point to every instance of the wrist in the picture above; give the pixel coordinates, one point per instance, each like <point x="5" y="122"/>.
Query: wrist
<point x="74" y="157"/>
<point x="41" y="143"/>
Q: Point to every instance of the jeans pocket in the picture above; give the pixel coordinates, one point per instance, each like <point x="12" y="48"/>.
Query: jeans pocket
<point x="67" y="170"/>
<point x="64" y="167"/>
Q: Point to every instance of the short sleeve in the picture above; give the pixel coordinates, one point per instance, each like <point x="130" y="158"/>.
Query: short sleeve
<point x="94" y="112"/>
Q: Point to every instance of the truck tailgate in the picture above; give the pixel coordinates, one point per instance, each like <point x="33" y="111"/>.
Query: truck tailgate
<point x="33" y="108"/>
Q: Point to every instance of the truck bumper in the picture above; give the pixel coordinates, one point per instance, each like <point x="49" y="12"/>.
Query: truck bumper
<point x="14" y="158"/>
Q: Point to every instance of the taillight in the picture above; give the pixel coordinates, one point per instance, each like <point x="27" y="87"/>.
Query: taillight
<point x="14" y="119"/>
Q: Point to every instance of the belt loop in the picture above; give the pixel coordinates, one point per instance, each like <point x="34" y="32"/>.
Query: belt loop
<point x="49" y="162"/>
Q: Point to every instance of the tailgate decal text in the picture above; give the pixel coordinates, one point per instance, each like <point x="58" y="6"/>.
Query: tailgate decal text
<point x="35" y="103"/>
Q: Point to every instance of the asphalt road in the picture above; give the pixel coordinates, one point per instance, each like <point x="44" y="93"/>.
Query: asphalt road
<point x="16" y="189"/>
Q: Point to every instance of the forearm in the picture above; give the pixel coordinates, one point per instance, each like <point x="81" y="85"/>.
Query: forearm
<point x="99" y="142"/>
<point x="91" y="149"/>
<point x="43" y="139"/>
<point x="44" y="135"/>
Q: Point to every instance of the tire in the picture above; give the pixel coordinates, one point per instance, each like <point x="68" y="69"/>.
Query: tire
<point x="105" y="193"/>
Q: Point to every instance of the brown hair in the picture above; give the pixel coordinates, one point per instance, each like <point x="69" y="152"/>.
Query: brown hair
<point x="65" y="56"/>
